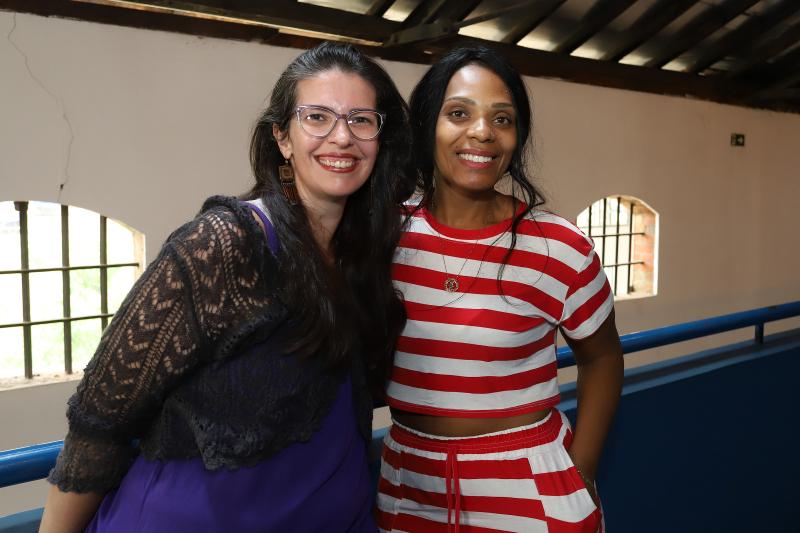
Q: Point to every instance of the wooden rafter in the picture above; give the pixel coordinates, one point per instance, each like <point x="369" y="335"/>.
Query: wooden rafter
<point x="745" y="34"/>
<point x="764" y="77"/>
<point x="104" y="14"/>
<point x="698" y="29"/>
<point x="766" y="50"/>
<point x="431" y="21"/>
<point x="537" y="14"/>
<point x="781" y="69"/>
<point x="783" y="89"/>
<point x="424" y="13"/>
<point x="454" y="10"/>
<point x="598" y="17"/>
<point x="538" y="63"/>
<point x="646" y="26"/>
<point x="278" y="14"/>
<point x="379" y="7"/>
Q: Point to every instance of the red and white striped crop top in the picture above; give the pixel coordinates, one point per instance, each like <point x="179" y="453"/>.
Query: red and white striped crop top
<point x="472" y="352"/>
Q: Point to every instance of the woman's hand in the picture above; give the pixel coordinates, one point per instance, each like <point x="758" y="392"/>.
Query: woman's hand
<point x="588" y="481"/>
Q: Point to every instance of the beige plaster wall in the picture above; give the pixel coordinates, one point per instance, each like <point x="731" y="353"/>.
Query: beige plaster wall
<point x="144" y="125"/>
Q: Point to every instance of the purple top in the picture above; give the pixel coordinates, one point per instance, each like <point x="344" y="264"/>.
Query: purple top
<point x="272" y="238"/>
<point x="319" y="485"/>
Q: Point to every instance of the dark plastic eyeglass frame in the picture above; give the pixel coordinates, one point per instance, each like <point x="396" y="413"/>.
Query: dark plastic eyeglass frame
<point x="345" y="116"/>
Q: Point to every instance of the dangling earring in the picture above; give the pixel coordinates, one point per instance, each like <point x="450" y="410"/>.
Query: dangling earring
<point x="286" y="175"/>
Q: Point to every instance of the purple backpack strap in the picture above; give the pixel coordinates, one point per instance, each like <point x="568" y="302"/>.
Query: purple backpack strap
<point x="269" y="229"/>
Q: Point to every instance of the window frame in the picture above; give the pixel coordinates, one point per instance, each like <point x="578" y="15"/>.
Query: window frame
<point x="615" y="229"/>
<point x="66" y="319"/>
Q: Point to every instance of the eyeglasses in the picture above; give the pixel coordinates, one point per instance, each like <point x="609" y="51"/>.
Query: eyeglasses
<point x="319" y="121"/>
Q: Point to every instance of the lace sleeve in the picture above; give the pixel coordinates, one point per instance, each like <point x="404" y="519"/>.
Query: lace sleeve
<point x="171" y="321"/>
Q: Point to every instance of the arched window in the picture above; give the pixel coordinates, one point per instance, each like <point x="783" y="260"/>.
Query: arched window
<point x="625" y="233"/>
<point x="63" y="273"/>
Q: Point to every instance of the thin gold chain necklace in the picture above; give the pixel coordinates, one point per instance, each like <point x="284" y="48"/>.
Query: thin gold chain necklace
<point x="451" y="282"/>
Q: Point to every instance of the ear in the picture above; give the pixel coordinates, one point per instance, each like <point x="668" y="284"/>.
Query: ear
<point x="284" y="143"/>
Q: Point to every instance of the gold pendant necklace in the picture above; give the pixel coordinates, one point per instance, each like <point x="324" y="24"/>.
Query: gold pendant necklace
<point x="451" y="282"/>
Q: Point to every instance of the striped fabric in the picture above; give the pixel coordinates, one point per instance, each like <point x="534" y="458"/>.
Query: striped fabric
<point x="488" y="349"/>
<point x="520" y="480"/>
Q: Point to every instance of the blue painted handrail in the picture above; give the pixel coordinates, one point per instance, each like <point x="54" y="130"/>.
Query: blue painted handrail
<point x="27" y="464"/>
<point x="34" y="462"/>
<point x="653" y="338"/>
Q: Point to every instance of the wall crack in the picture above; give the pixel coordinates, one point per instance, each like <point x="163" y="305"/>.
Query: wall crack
<point x="65" y="179"/>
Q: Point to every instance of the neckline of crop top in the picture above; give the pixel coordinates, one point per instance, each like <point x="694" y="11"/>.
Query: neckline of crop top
<point x="487" y="232"/>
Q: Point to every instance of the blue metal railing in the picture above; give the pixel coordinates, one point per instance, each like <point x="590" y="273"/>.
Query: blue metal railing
<point x="653" y="338"/>
<point x="27" y="464"/>
<point x="34" y="462"/>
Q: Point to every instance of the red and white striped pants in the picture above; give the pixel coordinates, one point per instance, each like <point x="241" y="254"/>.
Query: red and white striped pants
<point x="521" y="480"/>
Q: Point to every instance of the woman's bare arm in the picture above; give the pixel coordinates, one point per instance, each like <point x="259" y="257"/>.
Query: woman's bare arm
<point x="68" y="512"/>
<point x="600" y="372"/>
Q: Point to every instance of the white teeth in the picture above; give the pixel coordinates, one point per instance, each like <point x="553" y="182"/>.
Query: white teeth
<point x="475" y="158"/>
<point x="337" y="163"/>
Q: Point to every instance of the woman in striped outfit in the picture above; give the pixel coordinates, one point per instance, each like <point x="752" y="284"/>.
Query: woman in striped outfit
<point x="488" y="280"/>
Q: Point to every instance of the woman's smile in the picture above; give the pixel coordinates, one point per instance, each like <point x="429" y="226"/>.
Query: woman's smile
<point x="340" y="163"/>
<point x="477" y="159"/>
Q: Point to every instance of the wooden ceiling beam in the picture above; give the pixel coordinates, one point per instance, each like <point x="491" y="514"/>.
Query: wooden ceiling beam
<point x="455" y="10"/>
<point x="538" y="63"/>
<point x="278" y="14"/>
<point x="133" y="18"/>
<point x="782" y="90"/>
<point x="770" y="48"/>
<point x="379" y="7"/>
<point x="536" y="16"/>
<point x="431" y="21"/>
<point x="779" y="70"/>
<point x="424" y="13"/>
<point x="530" y="62"/>
<point x="773" y="79"/>
<point x="744" y="35"/>
<point x="598" y="17"/>
<point x="646" y="26"/>
<point x="712" y="19"/>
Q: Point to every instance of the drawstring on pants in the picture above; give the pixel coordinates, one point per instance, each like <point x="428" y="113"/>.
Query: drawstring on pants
<point x="453" y="488"/>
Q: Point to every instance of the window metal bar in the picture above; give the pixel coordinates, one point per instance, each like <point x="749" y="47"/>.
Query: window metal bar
<point x="70" y="268"/>
<point x="623" y="234"/>
<point x="103" y="271"/>
<point x="24" y="271"/>
<point x="54" y="321"/>
<point x="630" y="247"/>
<point x="603" y="239"/>
<point x="624" y="264"/>
<point x="65" y="288"/>
<point x="616" y="249"/>
<point x="590" y="221"/>
<point x="22" y="208"/>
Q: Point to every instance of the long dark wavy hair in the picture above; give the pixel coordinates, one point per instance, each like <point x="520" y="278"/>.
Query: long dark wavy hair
<point x="426" y="103"/>
<point x="352" y="305"/>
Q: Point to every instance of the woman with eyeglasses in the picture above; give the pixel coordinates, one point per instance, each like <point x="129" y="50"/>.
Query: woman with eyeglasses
<point x="488" y="280"/>
<point x="239" y="360"/>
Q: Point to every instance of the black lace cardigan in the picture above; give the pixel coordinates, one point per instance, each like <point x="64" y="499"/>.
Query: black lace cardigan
<point x="191" y="364"/>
